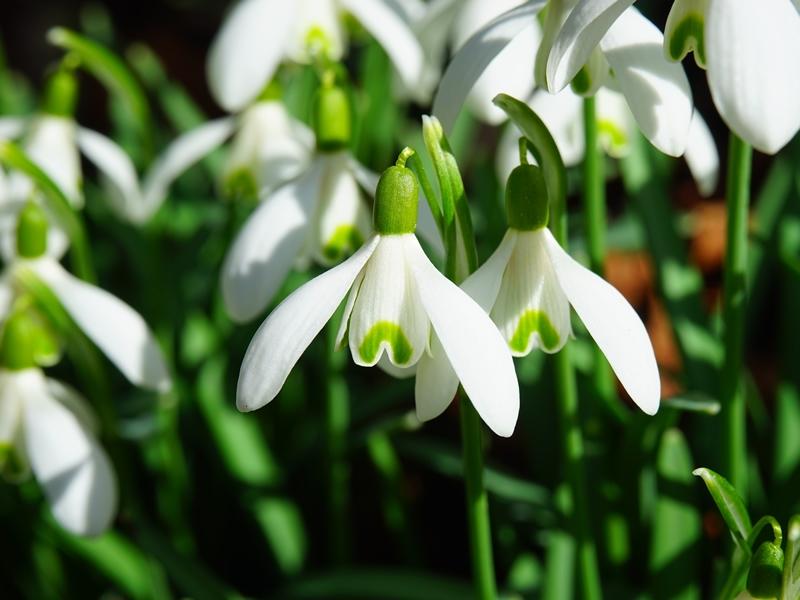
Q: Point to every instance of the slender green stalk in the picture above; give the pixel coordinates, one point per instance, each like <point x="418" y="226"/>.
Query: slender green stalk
<point x="572" y="440"/>
<point x="594" y="210"/>
<point x="733" y="312"/>
<point x="480" y="534"/>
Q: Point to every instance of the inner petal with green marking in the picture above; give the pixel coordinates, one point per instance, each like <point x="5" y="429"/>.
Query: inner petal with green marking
<point x="345" y="240"/>
<point x="389" y="336"/>
<point x="686" y="37"/>
<point x="534" y="322"/>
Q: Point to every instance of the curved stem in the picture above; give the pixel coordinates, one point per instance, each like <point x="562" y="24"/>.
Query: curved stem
<point x="733" y="313"/>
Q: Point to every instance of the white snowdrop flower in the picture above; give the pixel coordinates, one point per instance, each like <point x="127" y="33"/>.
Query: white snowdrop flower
<point x="400" y="311"/>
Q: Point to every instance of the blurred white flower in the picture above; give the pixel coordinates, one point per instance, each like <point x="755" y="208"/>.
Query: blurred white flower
<point x="562" y="113"/>
<point x="751" y="51"/>
<point x="605" y="42"/>
<point x="399" y="313"/>
<point x="49" y="428"/>
<point x="258" y="35"/>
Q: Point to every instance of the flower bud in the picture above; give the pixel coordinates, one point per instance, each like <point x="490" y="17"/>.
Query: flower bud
<point x="18" y="343"/>
<point x="331" y="118"/>
<point x="526" y="199"/>
<point x="31" y="231"/>
<point x="61" y="94"/>
<point x="396" y="198"/>
<point x="766" y="571"/>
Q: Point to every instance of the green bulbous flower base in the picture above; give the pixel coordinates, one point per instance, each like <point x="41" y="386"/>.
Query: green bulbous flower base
<point x="526" y="199"/>
<point x="332" y="119"/>
<point x="61" y="94"/>
<point x="32" y="231"/>
<point x="766" y="571"/>
<point x="396" y="199"/>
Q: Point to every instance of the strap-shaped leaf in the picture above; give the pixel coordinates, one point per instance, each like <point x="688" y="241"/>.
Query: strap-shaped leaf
<point x="730" y="505"/>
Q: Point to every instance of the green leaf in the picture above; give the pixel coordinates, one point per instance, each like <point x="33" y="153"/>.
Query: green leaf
<point x="693" y="402"/>
<point x="110" y="70"/>
<point x="791" y="565"/>
<point x="677" y="528"/>
<point x="13" y="157"/>
<point x="730" y="504"/>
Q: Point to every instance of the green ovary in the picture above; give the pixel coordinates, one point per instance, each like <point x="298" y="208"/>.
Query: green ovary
<point x="688" y="35"/>
<point x="240" y="184"/>
<point x="386" y="331"/>
<point x="344" y="240"/>
<point x="534" y="321"/>
<point x="615" y="135"/>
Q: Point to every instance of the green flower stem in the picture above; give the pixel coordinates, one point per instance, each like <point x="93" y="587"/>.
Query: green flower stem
<point x="594" y="209"/>
<point x="572" y="437"/>
<point x="733" y="313"/>
<point x="480" y="532"/>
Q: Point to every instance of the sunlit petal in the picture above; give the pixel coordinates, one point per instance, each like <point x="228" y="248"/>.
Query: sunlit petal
<point x="50" y="143"/>
<point x="702" y="156"/>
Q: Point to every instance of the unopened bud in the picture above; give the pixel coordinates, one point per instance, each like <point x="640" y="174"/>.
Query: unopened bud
<point x="766" y="571"/>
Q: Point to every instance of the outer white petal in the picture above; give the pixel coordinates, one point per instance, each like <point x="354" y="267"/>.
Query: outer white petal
<point x="484" y="284"/>
<point x="69" y="464"/>
<point x="656" y="89"/>
<point x="388" y="315"/>
<point x="530" y="308"/>
<point x="181" y="154"/>
<point x="290" y="328"/>
<point x="475" y="14"/>
<point x="50" y="143"/>
<point x="614" y="325"/>
<point x="474" y="346"/>
<point x="248" y="49"/>
<point x="119" y="172"/>
<point x="117" y="329"/>
<point x="11" y="407"/>
<point x="341" y="220"/>
<point x="753" y="56"/>
<point x="582" y="31"/>
<point x="270" y="144"/>
<point x="702" y="156"/>
<point x="75" y="403"/>
<point x="265" y="249"/>
<point x="389" y="28"/>
<point x="12" y="127"/>
<point x="475" y="56"/>
<point x="506" y="73"/>
<point x="436" y="384"/>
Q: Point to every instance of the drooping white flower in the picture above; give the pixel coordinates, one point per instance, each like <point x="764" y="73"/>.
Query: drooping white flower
<point x="606" y="42"/>
<point x="117" y="330"/>
<point x="258" y="35"/>
<point x="562" y="113"/>
<point x="529" y="283"/>
<point x="400" y="311"/>
<point x="48" y="426"/>
<point x="751" y="52"/>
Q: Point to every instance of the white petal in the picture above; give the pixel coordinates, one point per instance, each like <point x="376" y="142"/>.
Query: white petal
<point x="50" y="143"/>
<point x="388" y="315"/>
<point x="436" y="384"/>
<point x="530" y="308"/>
<point x="265" y="249"/>
<point x="615" y="122"/>
<point x="366" y="178"/>
<point x="75" y="403"/>
<point x="69" y="464"/>
<point x="474" y="346"/>
<point x="117" y="329"/>
<point x="389" y="29"/>
<point x="113" y="162"/>
<point x="484" y="284"/>
<point x="290" y="328"/>
<point x="701" y="155"/>
<point x="342" y="220"/>
<point x="614" y="325"/>
<point x="12" y="127"/>
<point x="475" y="56"/>
<point x="426" y="225"/>
<point x="385" y="365"/>
<point x="656" y="89"/>
<point x="269" y="144"/>
<point x="475" y="14"/>
<point x="506" y="74"/>
<point x="753" y="56"/>
<point x="684" y="30"/>
<point x="181" y="154"/>
<point x="582" y="31"/>
<point x="248" y="49"/>
<point x="318" y="30"/>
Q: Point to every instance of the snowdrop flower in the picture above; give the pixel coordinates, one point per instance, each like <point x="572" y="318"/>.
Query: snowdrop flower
<point x="119" y="331"/>
<point x="320" y="215"/>
<point x="454" y="21"/>
<point x="49" y="428"/>
<point x="562" y="113"/>
<point x="529" y="283"/>
<point x="751" y="52"/>
<point x="400" y="310"/>
<point x="602" y="42"/>
<point x="259" y="34"/>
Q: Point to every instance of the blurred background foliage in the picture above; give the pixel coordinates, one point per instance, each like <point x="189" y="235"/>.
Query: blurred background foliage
<point x="218" y="504"/>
